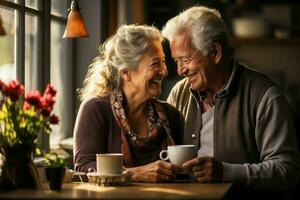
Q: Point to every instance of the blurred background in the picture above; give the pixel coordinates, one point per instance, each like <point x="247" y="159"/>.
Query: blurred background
<point x="266" y="36"/>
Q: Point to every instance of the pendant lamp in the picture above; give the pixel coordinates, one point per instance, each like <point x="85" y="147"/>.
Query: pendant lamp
<point x="75" y="26"/>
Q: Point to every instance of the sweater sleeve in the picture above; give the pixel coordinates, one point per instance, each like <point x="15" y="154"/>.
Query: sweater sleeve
<point x="276" y="141"/>
<point x="89" y="134"/>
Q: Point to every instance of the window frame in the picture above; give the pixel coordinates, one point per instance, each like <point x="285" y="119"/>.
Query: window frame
<point x="43" y="13"/>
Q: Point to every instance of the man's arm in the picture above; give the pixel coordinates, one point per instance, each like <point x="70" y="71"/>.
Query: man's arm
<point x="276" y="141"/>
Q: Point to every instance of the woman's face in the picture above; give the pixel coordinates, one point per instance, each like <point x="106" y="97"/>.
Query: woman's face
<point x="147" y="78"/>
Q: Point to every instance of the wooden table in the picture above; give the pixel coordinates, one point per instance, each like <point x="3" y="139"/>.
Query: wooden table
<point x="133" y="191"/>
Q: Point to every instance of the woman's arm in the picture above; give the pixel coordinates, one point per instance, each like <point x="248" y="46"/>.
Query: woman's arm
<point x="89" y="134"/>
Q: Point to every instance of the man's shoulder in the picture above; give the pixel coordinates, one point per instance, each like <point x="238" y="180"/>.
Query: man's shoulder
<point x="253" y="83"/>
<point x="254" y="76"/>
<point x="181" y="86"/>
<point x="180" y="94"/>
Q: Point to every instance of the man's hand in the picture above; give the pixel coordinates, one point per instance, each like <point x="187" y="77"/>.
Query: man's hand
<point x="158" y="171"/>
<point x="205" y="169"/>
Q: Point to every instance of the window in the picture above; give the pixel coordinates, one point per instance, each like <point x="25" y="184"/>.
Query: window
<point x="31" y="3"/>
<point x="31" y="47"/>
<point x="61" y="74"/>
<point x="7" y="45"/>
<point x="34" y="52"/>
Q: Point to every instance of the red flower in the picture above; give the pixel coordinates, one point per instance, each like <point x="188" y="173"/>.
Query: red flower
<point x="50" y="90"/>
<point x="54" y="119"/>
<point x="26" y="105"/>
<point x="31" y="121"/>
<point x="13" y="90"/>
<point x="47" y="103"/>
<point x="33" y="98"/>
<point x="48" y="100"/>
<point x="46" y="111"/>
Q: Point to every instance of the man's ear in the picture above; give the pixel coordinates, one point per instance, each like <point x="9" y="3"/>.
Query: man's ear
<point x="125" y="75"/>
<point x="217" y="52"/>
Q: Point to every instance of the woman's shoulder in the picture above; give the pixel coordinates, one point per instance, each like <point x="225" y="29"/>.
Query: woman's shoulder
<point x="96" y="102"/>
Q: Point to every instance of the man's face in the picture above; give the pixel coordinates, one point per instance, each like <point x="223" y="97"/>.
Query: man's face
<point x="191" y="63"/>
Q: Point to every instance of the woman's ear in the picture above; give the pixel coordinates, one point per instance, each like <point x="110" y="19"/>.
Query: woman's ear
<point x="217" y="52"/>
<point x="126" y="75"/>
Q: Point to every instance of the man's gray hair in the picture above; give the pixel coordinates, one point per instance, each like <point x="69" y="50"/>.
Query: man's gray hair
<point x="123" y="51"/>
<point x="204" y="25"/>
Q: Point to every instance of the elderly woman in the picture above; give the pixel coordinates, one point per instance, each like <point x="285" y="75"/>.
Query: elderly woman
<point x="120" y="113"/>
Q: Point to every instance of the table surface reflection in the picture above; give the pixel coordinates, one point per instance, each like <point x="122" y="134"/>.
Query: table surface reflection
<point x="132" y="191"/>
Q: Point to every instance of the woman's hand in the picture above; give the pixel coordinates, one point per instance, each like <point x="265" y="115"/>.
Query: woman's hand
<point x="158" y="171"/>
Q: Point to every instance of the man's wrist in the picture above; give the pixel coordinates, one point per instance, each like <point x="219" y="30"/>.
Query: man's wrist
<point x="234" y="172"/>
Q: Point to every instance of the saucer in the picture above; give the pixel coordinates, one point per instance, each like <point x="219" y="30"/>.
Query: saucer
<point x="109" y="179"/>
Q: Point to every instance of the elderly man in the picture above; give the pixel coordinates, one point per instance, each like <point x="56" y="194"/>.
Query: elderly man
<point x="237" y="117"/>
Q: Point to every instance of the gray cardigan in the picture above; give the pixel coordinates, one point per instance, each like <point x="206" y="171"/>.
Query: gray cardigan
<point x="253" y="157"/>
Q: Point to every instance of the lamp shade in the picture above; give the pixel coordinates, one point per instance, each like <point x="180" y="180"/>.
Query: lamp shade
<point x="2" y="30"/>
<point x="75" y="26"/>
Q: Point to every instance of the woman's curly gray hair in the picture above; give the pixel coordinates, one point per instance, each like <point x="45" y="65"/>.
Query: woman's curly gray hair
<point x="122" y="51"/>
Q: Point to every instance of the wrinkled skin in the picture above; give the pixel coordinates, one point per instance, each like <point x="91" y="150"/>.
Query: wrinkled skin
<point x="155" y="172"/>
<point x="205" y="169"/>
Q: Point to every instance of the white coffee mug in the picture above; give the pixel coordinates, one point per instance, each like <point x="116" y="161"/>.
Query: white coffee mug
<point x="179" y="154"/>
<point x="109" y="163"/>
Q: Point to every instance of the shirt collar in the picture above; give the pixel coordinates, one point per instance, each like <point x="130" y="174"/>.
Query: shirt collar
<point x="225" y="90"/>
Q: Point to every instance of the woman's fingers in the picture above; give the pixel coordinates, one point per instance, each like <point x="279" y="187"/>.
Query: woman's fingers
<point x="158" y="171"/>
<point x="169" y="166"/>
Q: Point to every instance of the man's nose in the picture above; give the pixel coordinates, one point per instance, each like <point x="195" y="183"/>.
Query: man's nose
<point x="181" y="69"/>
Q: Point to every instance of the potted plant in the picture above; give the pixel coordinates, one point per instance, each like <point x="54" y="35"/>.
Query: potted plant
<point x="55" y="170"/>
<point x="22" y="118"/>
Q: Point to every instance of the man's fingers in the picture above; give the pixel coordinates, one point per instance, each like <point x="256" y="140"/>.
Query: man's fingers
<point x="199" y="174"/>
<point x="196" y="161"/>
<point x="189" y="164"/>
<point x="198" y="168"/>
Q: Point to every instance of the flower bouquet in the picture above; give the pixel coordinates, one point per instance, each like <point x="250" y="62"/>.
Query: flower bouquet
<point x="21" y="121"/>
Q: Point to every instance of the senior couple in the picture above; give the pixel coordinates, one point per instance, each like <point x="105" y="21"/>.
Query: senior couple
<point x="237" y="117"/>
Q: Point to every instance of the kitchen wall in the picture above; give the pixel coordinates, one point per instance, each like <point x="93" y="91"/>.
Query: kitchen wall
<point x="86" y="49"/>
<point x="96" y="17"/>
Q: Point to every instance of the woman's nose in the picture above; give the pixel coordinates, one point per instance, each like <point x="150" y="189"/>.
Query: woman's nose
<point x="164" y="70"/>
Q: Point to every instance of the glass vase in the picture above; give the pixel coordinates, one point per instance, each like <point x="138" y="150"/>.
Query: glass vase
<point x="18" y="170"/>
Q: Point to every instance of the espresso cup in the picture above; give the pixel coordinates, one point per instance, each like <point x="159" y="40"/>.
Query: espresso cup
<point x="178" y="154"/>
<point x="109" y="163"/>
